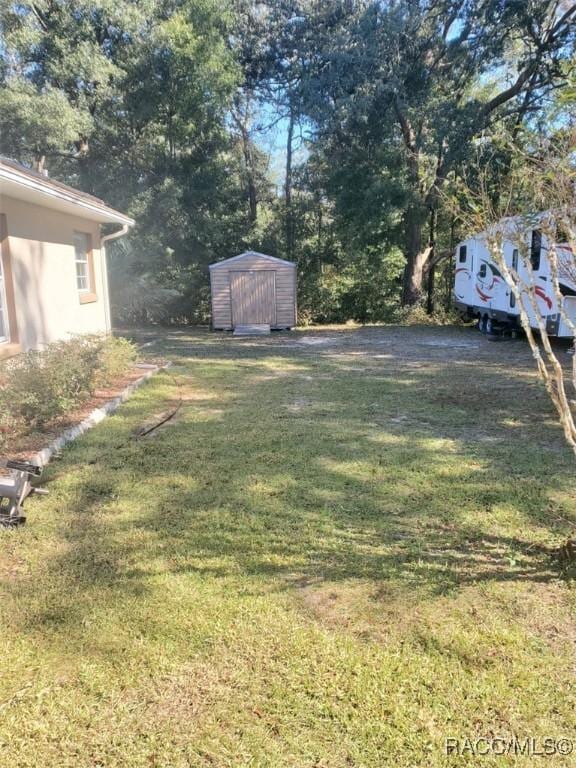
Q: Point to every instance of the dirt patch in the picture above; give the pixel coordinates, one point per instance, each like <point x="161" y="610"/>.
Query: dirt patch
<point x="388" y="613"/>
<point x="299" y="404"/>
<point x="261" y="378"/>
<point x="187" y="694"/>
<point x="11" y="565"/>
<point x="362" y="608"/>
<point x="451" y="344"/>
<point x="319" y="340"/>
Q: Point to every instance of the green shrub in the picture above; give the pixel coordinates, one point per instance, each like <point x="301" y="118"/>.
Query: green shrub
<point x="8" y="426"/>
<point x="40" y="386"/>
<point x="417" y="315"/>
<point x="116" y="356"/>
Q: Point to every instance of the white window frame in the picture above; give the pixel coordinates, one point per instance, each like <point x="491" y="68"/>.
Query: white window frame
<point x="85" y="237"/>
<point x="5" y="337"/>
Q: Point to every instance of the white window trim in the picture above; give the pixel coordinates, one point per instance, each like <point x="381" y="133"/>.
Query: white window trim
<point x="5" y="339"/>
<point x="85" y="261"/>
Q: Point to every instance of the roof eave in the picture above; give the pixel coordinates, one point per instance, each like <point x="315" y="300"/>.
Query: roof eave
<point x="273" y="259"/>
<point x="101" y="213"/>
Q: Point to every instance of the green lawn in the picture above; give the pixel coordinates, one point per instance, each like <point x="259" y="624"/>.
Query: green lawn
<point x="338" y="554"/>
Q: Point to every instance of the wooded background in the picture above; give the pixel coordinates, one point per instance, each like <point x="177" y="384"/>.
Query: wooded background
<point x="166" y="109"/>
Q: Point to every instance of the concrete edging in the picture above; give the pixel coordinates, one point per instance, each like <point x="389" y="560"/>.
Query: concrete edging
<point x="95" y="417"/>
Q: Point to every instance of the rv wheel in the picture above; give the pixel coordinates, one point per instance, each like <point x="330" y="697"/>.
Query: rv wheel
<point x="489" y="326"/>
<point x="482" y="324"/>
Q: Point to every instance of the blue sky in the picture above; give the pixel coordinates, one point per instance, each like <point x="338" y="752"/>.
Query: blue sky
<point x="273" y="140"/>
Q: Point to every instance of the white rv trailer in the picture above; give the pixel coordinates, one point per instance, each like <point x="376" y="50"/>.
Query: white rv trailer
<point x="480" y="290"/>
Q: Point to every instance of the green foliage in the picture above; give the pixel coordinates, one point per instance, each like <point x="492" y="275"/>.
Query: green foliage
<point x="34" y="122"/>
<point x="418" y="315"/>
<point x="156" y="81"/>
<point x="365" y="288"/>
<point x="567" y="97"/>
<point x="141" y="300"/>
<point x="163" y="109"/>
<point x="115" y="356"/>
<point x="398" y="91"/>
<point x="8" y="425"/>
<point x="39" y="386"/>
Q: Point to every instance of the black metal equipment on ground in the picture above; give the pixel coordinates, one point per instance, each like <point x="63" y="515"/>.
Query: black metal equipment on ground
<point x="15" y="487"/>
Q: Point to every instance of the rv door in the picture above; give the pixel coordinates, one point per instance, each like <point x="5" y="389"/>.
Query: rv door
<point x="463" y="273"/>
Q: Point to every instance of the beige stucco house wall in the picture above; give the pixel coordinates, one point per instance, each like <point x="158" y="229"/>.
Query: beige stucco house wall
<point x="42" y="297"/>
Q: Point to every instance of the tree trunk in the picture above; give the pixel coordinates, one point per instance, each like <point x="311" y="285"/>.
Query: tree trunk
<point x="249" y="162"/>
<point x="319" y="241"/>
<point x="288" y="190"/>
<point x="39" y="164"/>
<point x="431" y="289"/>
<point x="416" y="257"/>
<point x="241" y="116"/>
<point x="431" y="272"/>
<point x="449" y="271"/>
<point x="253" y="199"/>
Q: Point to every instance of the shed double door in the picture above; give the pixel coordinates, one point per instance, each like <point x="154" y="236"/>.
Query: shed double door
<point x="253" y="295"/>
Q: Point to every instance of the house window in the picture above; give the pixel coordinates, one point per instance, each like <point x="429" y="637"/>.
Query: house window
<point x="462" y="254"/>
<point x="535" y="249"/>
<point x="84" y="267"/>
<point x="82" y="250"/>
<point x="4" y="330"/>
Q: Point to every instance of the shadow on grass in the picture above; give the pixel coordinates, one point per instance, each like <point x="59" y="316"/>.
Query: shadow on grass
<point x="311" y="470"/>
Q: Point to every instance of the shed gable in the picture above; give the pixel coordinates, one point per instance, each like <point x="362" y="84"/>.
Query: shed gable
<point x="253" y="257"/>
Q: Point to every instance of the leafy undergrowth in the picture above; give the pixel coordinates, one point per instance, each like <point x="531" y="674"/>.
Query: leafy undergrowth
<point x="40" y="387"/>
<point x="337" y="554"/>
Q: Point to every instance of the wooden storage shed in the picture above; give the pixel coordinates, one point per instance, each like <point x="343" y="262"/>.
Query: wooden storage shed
<point x="253" y="289"/>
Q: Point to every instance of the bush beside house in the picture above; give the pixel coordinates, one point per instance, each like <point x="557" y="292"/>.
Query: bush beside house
<point x="41" y="386"/>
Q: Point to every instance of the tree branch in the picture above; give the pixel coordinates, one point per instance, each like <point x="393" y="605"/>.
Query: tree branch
<point x="532" y="67"/>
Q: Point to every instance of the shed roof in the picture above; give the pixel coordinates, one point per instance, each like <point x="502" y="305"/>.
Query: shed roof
<point x="25" y="184"/>
<point x="247" y="254"/>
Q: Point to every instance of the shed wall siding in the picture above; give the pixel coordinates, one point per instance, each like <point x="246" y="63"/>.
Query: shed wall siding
<point x="285" y="290"/>
<point x="221" y="306"/>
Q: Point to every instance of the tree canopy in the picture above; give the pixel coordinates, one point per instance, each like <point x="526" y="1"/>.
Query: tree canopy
<point x="163" y="107"/>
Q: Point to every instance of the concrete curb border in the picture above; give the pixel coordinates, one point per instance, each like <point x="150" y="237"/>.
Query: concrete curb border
<point x="95" y="417"/>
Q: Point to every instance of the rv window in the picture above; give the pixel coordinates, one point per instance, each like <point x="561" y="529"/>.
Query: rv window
<point x="515" y="259"/>
<point x="512" y="299"/>
<point x="462" y="255"/>
<point x="535" y="249"/>
<point x="482" y="272"/>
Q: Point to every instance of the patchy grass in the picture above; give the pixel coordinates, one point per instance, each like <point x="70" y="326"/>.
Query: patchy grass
<point x="337" y="555"/>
